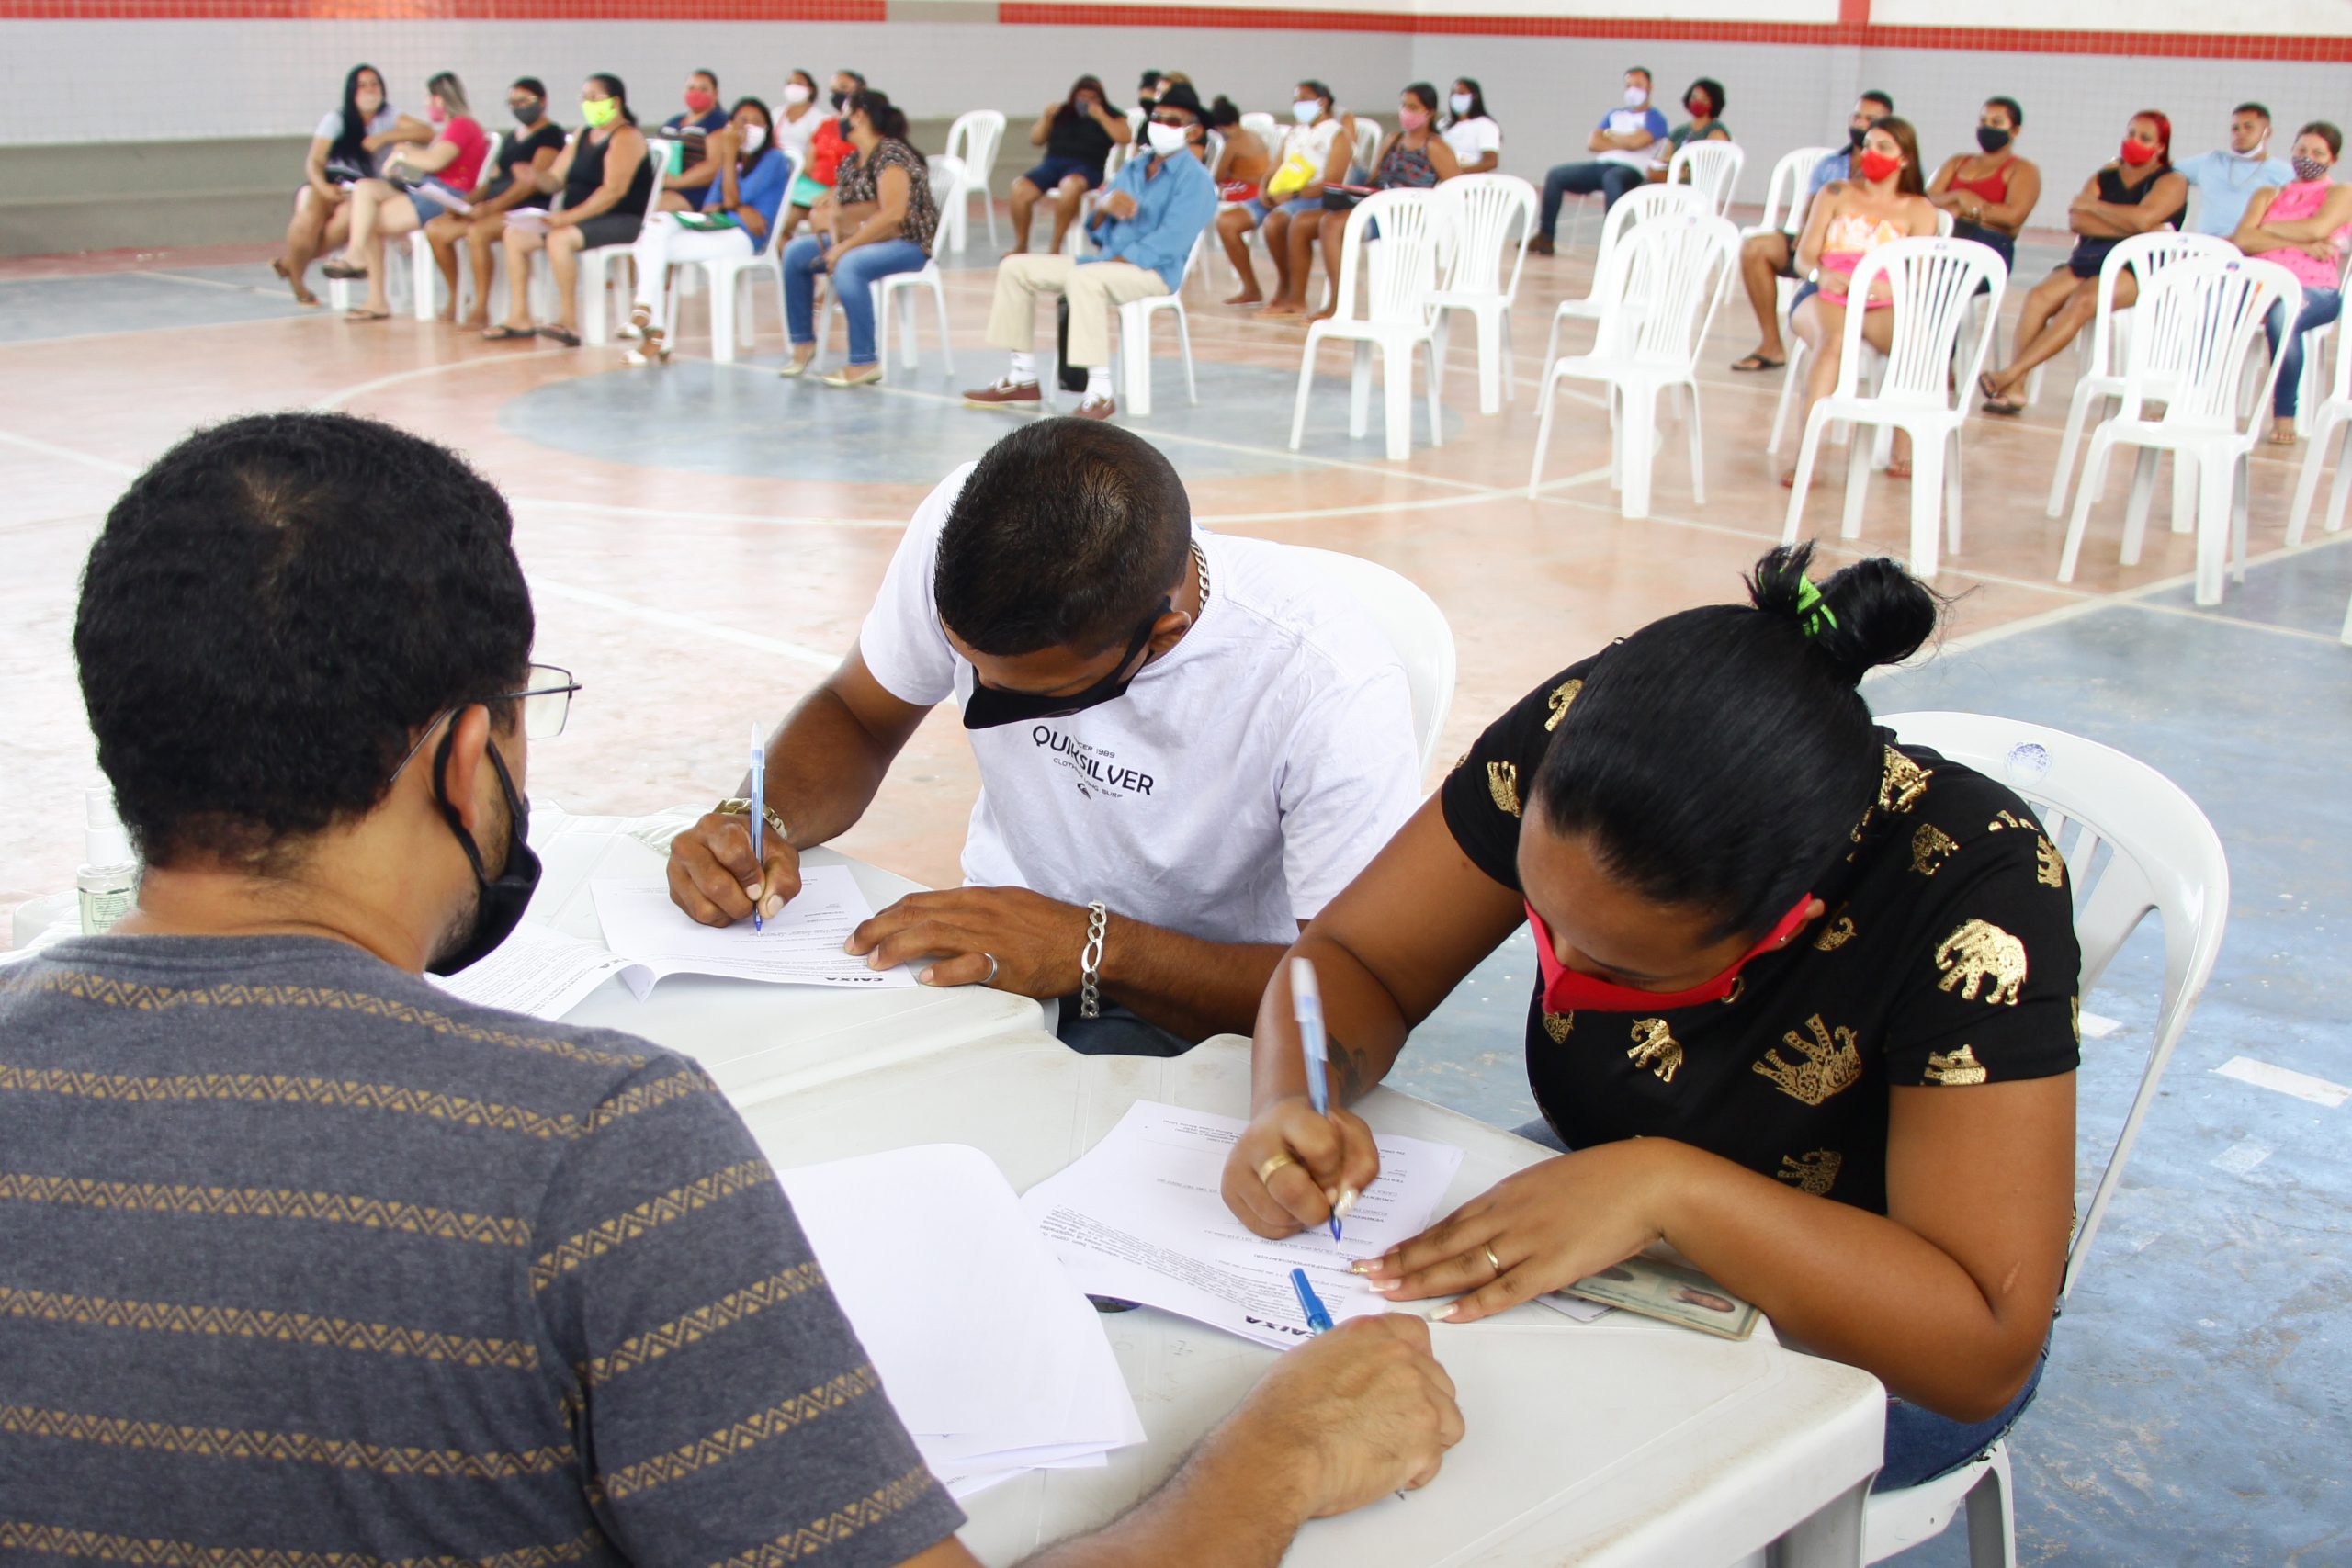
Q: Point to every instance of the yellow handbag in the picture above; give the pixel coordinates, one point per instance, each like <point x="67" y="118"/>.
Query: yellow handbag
<point x="1298" y="171"/>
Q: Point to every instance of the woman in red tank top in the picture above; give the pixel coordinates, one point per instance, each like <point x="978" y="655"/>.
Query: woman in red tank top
<point x="1990" y="193"/>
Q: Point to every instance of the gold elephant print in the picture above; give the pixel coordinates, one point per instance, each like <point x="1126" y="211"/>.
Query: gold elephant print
<point x="1562" y="695"/>
<point x="1929" y="845"/>
<point x="1832" y="1062"/>
<point x="1656" y="1047"/>
<point x="2049" y="869"/>
<point x="1557" y="1025"/>
<point x="1502" y="782"/>
<point x="1903" y="782"/>
<point x="1979" y="952"/>
<point x="1836" y="934"/>
<point x="1816" y="1173"/>
<point x="1955" y="1069"/>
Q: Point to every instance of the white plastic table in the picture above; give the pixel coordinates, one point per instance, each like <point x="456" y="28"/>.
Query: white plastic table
<point x="1615" y="1443"/>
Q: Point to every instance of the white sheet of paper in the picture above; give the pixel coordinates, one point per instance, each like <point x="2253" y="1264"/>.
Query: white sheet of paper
<point x="991" y="1355"/>
<point x="527" y="219"/>
<point x="802" y="945"/>
<point x="1140" y="1217"/>
<point x="537" y="970"/>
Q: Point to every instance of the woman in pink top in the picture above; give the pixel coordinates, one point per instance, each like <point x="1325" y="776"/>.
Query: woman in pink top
<point x="379" y="210"/>
<point x="2304" y="227"/>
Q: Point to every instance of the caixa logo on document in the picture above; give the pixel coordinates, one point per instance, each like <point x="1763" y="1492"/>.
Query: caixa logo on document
<point x="1097" y="769"/>
<point x="1290" y="1328"/>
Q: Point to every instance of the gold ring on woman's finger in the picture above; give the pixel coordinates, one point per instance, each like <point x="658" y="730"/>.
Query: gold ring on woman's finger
<point x="1272" y="1163"/>
<point x="1492" y="1259"/>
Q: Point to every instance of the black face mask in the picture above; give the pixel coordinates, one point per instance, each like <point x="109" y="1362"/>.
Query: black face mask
<point x="989" y="706"/>
<point x="841" y="102"/>
<point x="1992" y="137"/>
<point x="527" y="113"/>
<point x="503" y="897"/>
<point x="1854" y="133"/>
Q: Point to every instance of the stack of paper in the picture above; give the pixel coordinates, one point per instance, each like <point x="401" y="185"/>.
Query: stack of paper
<point x="1140" y="1217"/>
<point x="991" y="1355"/>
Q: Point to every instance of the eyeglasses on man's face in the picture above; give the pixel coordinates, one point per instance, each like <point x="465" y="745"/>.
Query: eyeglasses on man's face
<point x="546" y="699"/>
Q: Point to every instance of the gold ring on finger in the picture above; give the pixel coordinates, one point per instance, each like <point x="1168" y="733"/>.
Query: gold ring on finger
<point x="1267" y="1166"/>
<point x="1491" y="1258"/>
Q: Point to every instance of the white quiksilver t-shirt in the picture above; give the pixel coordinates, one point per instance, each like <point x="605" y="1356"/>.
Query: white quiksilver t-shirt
<point x="1245" y="778"/>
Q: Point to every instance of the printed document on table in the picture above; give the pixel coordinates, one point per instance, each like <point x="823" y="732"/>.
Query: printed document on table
<point x="801" y="945"/>
<point x="1140" y="1216"/>
<point x="536" y="970"/>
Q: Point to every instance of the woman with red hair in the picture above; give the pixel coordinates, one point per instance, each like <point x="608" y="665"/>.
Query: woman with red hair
<point x="2136" y="193"/>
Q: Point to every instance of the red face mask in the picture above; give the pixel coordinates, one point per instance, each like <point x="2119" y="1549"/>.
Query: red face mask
<point x="2136" y="152"/>
<point x="1878" y="166"/>
<point x="1565" y="990"/>
<point x="700" y="101"/>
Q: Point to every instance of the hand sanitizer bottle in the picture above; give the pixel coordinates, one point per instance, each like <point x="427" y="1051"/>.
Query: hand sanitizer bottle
<point x="108" y="880"/>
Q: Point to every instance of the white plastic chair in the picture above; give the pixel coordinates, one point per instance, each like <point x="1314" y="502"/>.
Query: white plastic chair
<point x="1416" y="629"/>
<point x="1369" y="137"/>
<point x="1637" y="206"/>
<point x="1134" y="319"/>
<point x="1399" y="277"/>
<point x="974" y="139"/>
<point x="2199" y="321"/>
<point x="1263" y="125"/>
<point x="731" y="316"/>
<point x="1664" y="283"/>
<point x="1485" y="209"/>
<point x="2100" y="354"/>
<point x="947" y="188"/>
<point x="1786" y="202"/>
<point x="1711" y="168"/>
<point x="2163" y="858"/>
<point x="1934" y="283"/>
<point x="2331" y="426"/>
<point x="1983" y="309"/>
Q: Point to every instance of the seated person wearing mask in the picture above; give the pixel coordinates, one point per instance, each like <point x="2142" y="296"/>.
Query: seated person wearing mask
<point x="2226" y="178"/>
<point x="1991" y="192"/>
<point x="691" y="130"/>
<point x="1144" y="231"/>
<point x="309" y="1261"/>
<point x="1626" y="141"/>
<point x="1077" y="134"/>
<point x="528" y="152"/>
<point x="452" y="163"/>
<point x="1765" y="258"/>
<point x="1186" y="741"/>
<point x="738" y="210"/>
<point x="343" y="151"/>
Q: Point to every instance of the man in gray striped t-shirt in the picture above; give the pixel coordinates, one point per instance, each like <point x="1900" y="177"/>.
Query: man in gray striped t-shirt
<point x="304" y="1264"/>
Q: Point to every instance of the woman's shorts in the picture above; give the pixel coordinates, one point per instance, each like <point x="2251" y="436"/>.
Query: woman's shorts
<point x="1260" y="211"/>
<point x="610" y="228"/>
<point x="427" y="208"/>
<point x="1053" y="170"/>
<point x="806" y="192"/>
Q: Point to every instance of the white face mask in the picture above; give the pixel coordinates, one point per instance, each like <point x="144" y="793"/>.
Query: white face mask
<point x="1165" y="139"/>
<point x="795" y="94"/>
<point x="1461" y="102"/>
<point x="1306" y="111"/>
<point x="1636" y="96"/>
<point x="754" y="138"/>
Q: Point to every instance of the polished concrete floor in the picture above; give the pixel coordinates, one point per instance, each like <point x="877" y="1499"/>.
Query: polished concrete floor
<point x="702" y="540"/>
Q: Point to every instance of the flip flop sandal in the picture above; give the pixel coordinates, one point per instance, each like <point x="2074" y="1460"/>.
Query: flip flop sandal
<point x="1757" y="362"/>
<point x="365" y="315"/>
<point x="342" y="271"/>
<point x="2005" y="409"/>
<point x="563" y="335"/>
<point x="504" y="334"/>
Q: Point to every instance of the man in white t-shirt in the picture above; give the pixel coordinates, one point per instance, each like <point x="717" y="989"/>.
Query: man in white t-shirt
<point x="1188" y="743"/>
<point x="1625" y="141"/>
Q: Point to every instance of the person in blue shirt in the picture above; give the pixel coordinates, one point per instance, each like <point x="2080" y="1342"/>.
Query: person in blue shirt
<point x="1150" y="218"/>
<point x="2226" y="178"/>
<point x="1764" y="259"/>
<point x="701" y="119"/>
<point x="739" y="213"/>
<point x="1626" y="140"/>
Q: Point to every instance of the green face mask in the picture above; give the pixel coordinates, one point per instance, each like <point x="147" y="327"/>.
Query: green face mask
<point x="599" y="112"/>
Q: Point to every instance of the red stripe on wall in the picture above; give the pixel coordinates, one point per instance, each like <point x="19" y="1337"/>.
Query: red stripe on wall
<point x="444" y="10"/>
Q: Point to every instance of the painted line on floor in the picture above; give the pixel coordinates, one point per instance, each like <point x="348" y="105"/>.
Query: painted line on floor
<point x="279" y="290"/>
<point x="695" y="625"/>
<point x="67" y="454"/>
<point x="2242" y="1156"/>
<point x="2285" y="1081"/>
<point x="334" y="401"/>
<point x="175" y="327"/>
<point x="691" y="514"/>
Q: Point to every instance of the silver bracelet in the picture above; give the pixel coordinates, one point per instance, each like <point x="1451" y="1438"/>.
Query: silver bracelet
<point x="1089" y="962"/>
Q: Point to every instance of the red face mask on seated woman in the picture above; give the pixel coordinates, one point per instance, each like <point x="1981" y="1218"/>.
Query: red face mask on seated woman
<point x="1567" y="990"/>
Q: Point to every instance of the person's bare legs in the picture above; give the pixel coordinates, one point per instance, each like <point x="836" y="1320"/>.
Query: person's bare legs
<point x="1335" y="237"/>
<point x="1233" y="226"/>
<point x="367" y="199"/>
<point x="1278" y="247"/>
<point x="395" y="220"/>
<point x="442" y="234"/>
<point x="677" y="201"/>
<point x="563" y="262"/>
<point x="1025" y="202"/>
<point x="2056" y="312"/>
<point x="1067" y="199"/>
<point x="1298" y="264"/>
<point x="305" y="236"/>
<point x="481" y="255"/>
<point x="1762" y="257"/>
<point x="1822" y="327"/>
<point x="520" y="243"/>
<point x="792" y="217"/>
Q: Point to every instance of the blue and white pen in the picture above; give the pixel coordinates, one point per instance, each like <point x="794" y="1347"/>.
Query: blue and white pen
<point x="1318" y="1317"/>
<point x="1306" y="1007"/>
<point x="759" y="820"/>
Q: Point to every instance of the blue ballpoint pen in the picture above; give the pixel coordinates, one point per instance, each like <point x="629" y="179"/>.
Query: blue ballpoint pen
<point x="759" y="820"/>
<point x="1306" y="1007"/>
<point x="1319" y="1318"/>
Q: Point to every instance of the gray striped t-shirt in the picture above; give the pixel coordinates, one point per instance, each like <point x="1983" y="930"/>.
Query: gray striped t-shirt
<point x="303" y="1263"/>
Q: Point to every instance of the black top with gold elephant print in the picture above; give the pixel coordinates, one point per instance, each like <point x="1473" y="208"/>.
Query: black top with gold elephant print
<point x="1947" y="958"/>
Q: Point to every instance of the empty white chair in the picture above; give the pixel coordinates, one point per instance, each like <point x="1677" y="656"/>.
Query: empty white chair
<point x="1711" y="168"/>
<point x="974" y="141"/>
<point x="1368" y="138"/>
<point x="1664" y="282"/>
<point x="2100" y="361"/>
<point x="2198" y="322"/>
<point x="1399" y="277"/>
<point x="1934" y="284"/>
<point x="1484" y="277"/>
<point x="1263" y="125"/>
<point x="2331" y="426"/>
<point x="1416" y="629"/>
<point x="2163" y="858"/>
<point x="1134" y="319"/>
<point x="899" y="287"/>
<point x="1635" y="207"/>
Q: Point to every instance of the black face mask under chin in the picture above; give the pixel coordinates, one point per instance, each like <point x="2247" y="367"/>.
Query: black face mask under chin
<point x="1854" y="133"/>
<point x="989" y="706"/>
<point x="503" y="897"/>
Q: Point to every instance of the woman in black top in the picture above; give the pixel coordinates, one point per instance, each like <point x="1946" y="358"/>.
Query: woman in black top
<point x="1077" y="134"/>
<point x="530" y="151"/>
<point x="607" y="179"/>
<point x="1808" y="1005"/>
<point x="2137" y="193"/>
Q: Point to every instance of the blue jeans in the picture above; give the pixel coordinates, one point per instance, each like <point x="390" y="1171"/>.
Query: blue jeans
<point x="1920" y="1444"/>
<point x="1120" y="1031"/>
<point x="852" y="285"/>
<point x="2321" y="306"/>
<point x="1611" y="180"/>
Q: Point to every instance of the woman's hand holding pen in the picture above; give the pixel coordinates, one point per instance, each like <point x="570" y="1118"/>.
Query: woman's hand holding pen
<point x="713" y="878"/>
<point x="1293" y="1169"/>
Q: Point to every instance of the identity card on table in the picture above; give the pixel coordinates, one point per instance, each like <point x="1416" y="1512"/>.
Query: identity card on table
<point x="801" y="945"/>
<point x="1140" y="1217"/>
